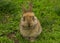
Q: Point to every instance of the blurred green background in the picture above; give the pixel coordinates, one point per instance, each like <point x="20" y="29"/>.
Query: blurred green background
<point x="47" y="11"/>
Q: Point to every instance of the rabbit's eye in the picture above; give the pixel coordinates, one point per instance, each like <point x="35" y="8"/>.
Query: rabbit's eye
<point x="23" y="18"/>
<point x="33" y="18"/>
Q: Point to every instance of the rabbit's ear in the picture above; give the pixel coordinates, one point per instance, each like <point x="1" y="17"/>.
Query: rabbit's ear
<point x="30" y="6"/>
<point x="24" y="9"/>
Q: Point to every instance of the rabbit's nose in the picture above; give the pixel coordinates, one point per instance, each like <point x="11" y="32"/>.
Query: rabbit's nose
<point x="28" y="25"/>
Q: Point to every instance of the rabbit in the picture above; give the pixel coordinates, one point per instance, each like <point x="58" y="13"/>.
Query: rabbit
<point x="30" y="26"/>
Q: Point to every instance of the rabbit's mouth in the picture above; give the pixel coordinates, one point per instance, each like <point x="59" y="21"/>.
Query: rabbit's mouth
<point x="29" y="25"/>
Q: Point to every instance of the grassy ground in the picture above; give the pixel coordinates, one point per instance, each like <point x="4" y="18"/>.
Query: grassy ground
<point x="47" y="11"/>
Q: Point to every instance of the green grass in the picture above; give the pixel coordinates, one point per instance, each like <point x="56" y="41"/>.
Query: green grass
<point x="47" y="11"/>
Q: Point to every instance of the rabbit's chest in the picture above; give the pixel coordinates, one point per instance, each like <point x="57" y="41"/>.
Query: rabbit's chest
<point x="29" y="33"/>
